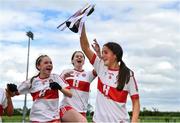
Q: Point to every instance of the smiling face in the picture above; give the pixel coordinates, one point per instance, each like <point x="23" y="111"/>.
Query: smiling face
<point x="108" y="57"/>
<point x="78" y="60"/>
<point x="45" y="66"/>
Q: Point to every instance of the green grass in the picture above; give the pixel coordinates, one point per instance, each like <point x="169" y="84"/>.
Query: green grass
<point x="152" y="119"/>
<point x="13" y="119"/>
<point x="159" y="119"/>
<point x="142" y="119"/>
<point x="19" y="119"/>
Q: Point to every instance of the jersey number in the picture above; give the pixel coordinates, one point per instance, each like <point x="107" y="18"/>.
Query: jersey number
<point x="76" y="83"/>
<point x="106" y="89"/>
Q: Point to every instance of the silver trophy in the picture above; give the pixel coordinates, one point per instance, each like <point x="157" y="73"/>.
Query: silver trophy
<point x="76" y="21"/>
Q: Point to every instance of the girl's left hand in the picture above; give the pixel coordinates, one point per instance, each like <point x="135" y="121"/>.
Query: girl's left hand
<point x="67" y="74"/>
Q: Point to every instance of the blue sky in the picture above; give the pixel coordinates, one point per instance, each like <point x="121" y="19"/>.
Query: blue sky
<point x="149" y="32"/>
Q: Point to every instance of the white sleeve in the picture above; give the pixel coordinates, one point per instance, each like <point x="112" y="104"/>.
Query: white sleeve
<point x="132" y="87"/>
<point x="24" y="87"/>
<point x="97" y="63"/>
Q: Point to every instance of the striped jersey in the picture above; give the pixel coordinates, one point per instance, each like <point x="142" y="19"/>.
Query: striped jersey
<point x="110" y="102"/>
<point x="45" y="100"/>
<point x="80" y="87"/>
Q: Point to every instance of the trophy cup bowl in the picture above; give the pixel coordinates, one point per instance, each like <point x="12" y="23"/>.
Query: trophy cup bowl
<point x="75" y="27"/>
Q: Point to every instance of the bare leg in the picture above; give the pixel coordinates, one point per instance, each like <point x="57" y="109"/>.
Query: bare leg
<point x="73" y="116"/>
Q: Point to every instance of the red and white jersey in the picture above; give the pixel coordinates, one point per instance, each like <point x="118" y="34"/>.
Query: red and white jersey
<point x="110" y="102"/>
<point x="3" y="102"/>
<point x="80" y="87"/>
<point x="45" y="101"/>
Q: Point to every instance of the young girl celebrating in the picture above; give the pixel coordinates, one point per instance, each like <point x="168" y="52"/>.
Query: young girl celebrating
<point x="115" y="82"/>
<point x="44" y="91"/>
<point x="75" y="108"/>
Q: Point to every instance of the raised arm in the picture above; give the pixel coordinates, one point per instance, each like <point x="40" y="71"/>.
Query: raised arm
<point x="85" y="44"/>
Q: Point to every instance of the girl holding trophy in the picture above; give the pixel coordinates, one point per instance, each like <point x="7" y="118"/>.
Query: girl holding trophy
<point x="115" y="79"/>
<point x="115" y="82"/>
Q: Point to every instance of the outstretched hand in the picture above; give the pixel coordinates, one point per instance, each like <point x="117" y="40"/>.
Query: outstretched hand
<point x="66" y="74"/>
<point x="96" y="48"/>
<point x="55" y="86"/>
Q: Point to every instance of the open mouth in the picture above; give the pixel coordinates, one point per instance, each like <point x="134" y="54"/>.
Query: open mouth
<point x="79" y="61"/>
<point x="49" y="69"/>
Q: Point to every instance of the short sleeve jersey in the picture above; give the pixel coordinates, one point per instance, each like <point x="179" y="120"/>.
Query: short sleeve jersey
<point x="45" y="100"/>
<point x="80" y="87"/>
<point x="110" y="102"/>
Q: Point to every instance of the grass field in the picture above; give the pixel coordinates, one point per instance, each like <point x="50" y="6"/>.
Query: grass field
<point x="159" y="119"/>
<point x="13" y="119"/>
<point x="142" y="119"/>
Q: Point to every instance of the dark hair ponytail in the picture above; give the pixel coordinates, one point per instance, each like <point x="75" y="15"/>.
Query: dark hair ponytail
<point x="124" y="71"/>
<point x="31" y="80"/>
<point x="123" y="75"/>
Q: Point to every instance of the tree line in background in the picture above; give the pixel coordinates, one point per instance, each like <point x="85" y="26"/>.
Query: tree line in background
<point x="144" y="112"/>
<point x="156" y="112"/>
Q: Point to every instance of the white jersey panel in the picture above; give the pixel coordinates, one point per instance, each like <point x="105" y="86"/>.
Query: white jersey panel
<point x="44" y="110"/>
<point x="45" y="100"/>
<point x="79" y="86"/>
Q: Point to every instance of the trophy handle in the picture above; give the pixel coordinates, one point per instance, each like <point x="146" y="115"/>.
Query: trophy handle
<point x="90" y="12"/>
